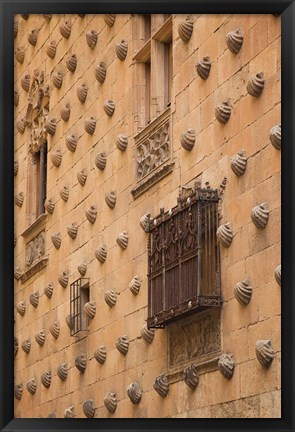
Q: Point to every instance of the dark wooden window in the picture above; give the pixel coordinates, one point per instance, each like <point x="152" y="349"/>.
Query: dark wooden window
<point x="79" y="295"/>
<point x="183" y="258"/>
<point x="41" y="183"/>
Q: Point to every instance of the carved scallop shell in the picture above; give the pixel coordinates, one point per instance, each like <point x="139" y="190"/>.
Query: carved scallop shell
<point x="20" y="54"/>
<point x="71" y="63"/>
<point x="51" y="126"/>
<point x="21" y="125"/>
<point x="63" y="279"/>
<point x="15" y="28"/>
<point x="185" y="29"/>
<point x="264" y="352"/>
<point x="188" y="139"/>
<point x="100" y="354"/>
<point x="81" y="15"/>
<point x="16" y="98"/>
<point x="223" y="112"/>
<point x="82" y="92"/>
<point x="17" y="272"/>
<point x="51" y="49"/>
<point x="18" y="391"/>
<point x="62" y="371"/>
<point x="110" y="402"/>
<point x="135" y="284"/>
<point x="134" y="392"/>
<point x="56" y="158"/>
<point x="122" y="142"/>
<point x="40" y="337"/>
<point x="109" y="19"/>
<point x="25" y="16"/>
<point x="122" y="49"/>
<point x="277" y="274"/>
<point x="64" y="193"/>
<point x="32" y="37"/>
<point x="82" y="267"/>
<point x="110" y="297"/>
<point x="91" y="38"/>
<point x="69" y="412"/>
<point x="46" y="379"/>
<point x="82" y="176"/>
<point x="65" y="29"/>
<point x="65" y="112"/>
<point x="48" y="290"/>
<point x="21" y="308"/>
<point x="226" y="365"/>
<point x="72" y="230"/>
<point x="122" y="240"/>
<point x="101" y="161"/>
<point x="147" y="334"/>
<point x="234" y="40"/>
<point x="15" y="346"/>
<point x="101" y="72"/>
<point x="34" y="299"/>
<point x="81" y="363"/>
<point x="57" y="79"/>
<point x="55" y="329"/>
<point x="32" y="386"/>
<point x="110" y="199"/>
<point x="89" y="408"/>
<point x="239" y="163"/>
<point x="275" y="137"/>
<point x="56" y="240"/>
<point x="255" y="84"/>
<point x="101" y="254"/>
<point x="122" y="344"/>
<point x="70" y="321"/>
<point x="203" y="67"/>
<point x="109" y="107"/>
<point x="47" y="17"/>
<point x="25" y="82"/>
<point x="161" y="385"/>
<point x="14" y="240"/>
<point x="90" y="125"/>
<point x="243" y="292"/>
<point x="191" y="376"/>
<point x="144" y="221"/>
<point x="26" y="345"/>
<point x="260" y="215"/>
<point x="225" y="234"/>
<point x="49" y="205"/>
<point x="91" y="214"/>
<point x="90" y="309"/>
<point x="71" y="142"/>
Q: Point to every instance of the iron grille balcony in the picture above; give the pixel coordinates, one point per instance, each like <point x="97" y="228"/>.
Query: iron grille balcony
<point x="79" y="295"/>
<point x="183" y="258"/>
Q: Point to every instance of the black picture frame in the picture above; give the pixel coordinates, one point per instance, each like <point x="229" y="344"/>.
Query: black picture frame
<point x="7" y="10"/>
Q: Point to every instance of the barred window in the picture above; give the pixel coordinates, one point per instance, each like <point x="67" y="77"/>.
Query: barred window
<point x="183" y="258"/>
<point x="79" y="295"/>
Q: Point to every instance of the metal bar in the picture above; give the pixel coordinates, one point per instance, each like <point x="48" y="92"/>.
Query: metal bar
<point x="199" y="248"/>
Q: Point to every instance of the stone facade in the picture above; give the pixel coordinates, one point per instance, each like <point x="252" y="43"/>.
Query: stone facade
<point x="96" y="69"/>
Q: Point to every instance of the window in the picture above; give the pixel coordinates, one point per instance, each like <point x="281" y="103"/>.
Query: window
<point x="183" y="258"/>
<point x="79" y="296"/>
<point x="41" y="162"/>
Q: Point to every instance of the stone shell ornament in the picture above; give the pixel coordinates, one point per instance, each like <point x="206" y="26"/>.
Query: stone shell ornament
<point x="275" y="137"/>
<point x="101" y="72"/>
<point x="134" y="392"/>
<point x="15" y="346"/>
<point x="101" y="254"/>
<point x="26" y="345"/>
<point x="49" y="205"/>
<point x="48" y="290"/>
<point x="69" y="412"/>
<point x="21" y="126"/>
<point x="122" y="344"/>
<point x="62" y="371"/>
<point x="225" y="234"/>
<point x="90" y="309"/>
<point x="17" y="273"/>
<point x="185" y="29"/>
<point x="63" y="279"/>
<point x="110" y="401"/>
<point x="203" y="67"/>
<point x="71" y="142"/>
<point x="110" y="199"/>
<point x="89" y="408"/>
<point x="100" y="354"/>
<point x="91" y="214"/>
<point x="109" y="107"/>
<point x="144" y="221"/>
<point x="90" y="125"/>
<point x="82" y="176"/>
<point x="260" y="216"/>
<point x="122" y="240"/>
<point x="243" y="292"/>
<point x="135" y="285"/>
<point x="51" y="126"/>
<point x="47" y="17"/>
<point x="101" y="161"/>
<point x="234" y="40"/>
<point x="278" y="274"/>
<point x="82" y="267"/>
<point x="56" y="240"/>
<point x="238" y="163"/>
<point x="55" y="329"/>
<point x="72" y="230"/>
<point x="65" y="112"/>
<point x="122" y="142"/>
<point x="32" y="386"/>
<point x="255" y="84"/>
<point x="71" y="63"/>
<point x="122" y="49"/>
<point x="46" y="379"/>
<point x="16" y="98"/>
<point x="223" y="112"/>
<point x="20" y="54"/>
<point x="40" y="337"/>
<point x="32" y="37"/>
<point x="15" y="28"/>
<point x="57" y="79"/>
<point x="191" y="376"/>
<point x="65" y="29"/>
<point x="91" y="38"/>
<point x="226" y="365"/>
<point x="264" y="352"/>
<point x="161" y="385"/>
<point x="25" y="16"/>
<point x="81" y="363"/>
<point x="21" y="308"/>
<point x="34" y="299"/>
<point x="109" y="19"/>
<point x="18" y="391"/>
<point x="70" y="322"/>
<point x="64" y="193"/>
<point x="51" y="49"/>
<point x="110" y="297"/>
<point x="82" y="92"/>
<point x="147" y="334"/>
<point x="188" y="139"/>
<point x="25" y="82"/>
<point x="56" y="157"/>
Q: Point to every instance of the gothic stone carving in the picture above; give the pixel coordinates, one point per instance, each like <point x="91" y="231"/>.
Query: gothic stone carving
<point x="161" y="385"/>
<point x="234" y="40"/>
<point x="35" y="249"/>
<point x="89" y="408"/>
<point x="100" y="354"/>
<point x="264" y="352"/>
<point x="226" y="365"/>
<point x="191" y="376"/>
<point x="110" y="402"/>
<point x="134" y="392"/>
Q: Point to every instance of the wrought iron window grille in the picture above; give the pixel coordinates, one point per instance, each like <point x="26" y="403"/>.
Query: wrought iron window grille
<point x="79" y="295"/>
<point x="184" y="258"/>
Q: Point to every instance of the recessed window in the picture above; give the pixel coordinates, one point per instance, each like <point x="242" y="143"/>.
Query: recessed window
<point x="79" y="296"/>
